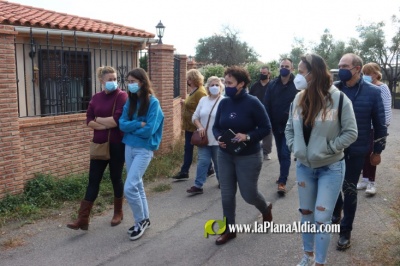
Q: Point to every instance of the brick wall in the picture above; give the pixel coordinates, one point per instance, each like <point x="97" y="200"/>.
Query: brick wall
<point x="11" y="176"/>
<point x="57" y="145"/>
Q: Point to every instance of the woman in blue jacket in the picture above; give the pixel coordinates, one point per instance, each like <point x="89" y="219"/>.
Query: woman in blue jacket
<point x="142" y="123"/>
<point x="317" y="132"/>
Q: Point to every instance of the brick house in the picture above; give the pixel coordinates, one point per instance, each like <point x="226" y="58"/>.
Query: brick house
<point x="48" y="71"/>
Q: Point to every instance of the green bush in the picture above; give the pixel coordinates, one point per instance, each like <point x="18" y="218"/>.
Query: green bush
<point x="212" y="70"/>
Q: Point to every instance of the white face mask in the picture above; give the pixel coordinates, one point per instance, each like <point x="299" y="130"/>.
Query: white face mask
<point x="214" y="90"/>
<point x="300" y="81"/>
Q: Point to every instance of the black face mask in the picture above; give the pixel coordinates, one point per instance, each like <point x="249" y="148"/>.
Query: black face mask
<point x="263" y="77"/>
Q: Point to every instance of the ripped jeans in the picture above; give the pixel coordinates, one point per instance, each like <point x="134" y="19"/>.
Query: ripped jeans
<point x="318" y="191"/>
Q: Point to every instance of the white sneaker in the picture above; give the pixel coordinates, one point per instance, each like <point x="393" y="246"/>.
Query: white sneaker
<point x="371" y="189"/>
<point x="267" y="157"/>
<point x="306" y="260"/>
<point x="362" y="184"/>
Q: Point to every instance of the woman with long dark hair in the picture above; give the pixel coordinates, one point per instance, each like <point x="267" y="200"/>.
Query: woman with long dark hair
<point x="142" y="123"/>
<point x="317" y="132"/>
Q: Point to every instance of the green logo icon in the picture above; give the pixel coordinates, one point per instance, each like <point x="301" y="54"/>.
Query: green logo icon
<point x="209" y="230"/>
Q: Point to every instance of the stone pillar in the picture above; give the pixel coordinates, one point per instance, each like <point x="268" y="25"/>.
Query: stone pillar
<point x="161" y="67"/>
<point x="11" y="172"/>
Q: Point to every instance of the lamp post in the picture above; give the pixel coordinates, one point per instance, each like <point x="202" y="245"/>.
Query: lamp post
<point x="190" y="58"/>
<point x="160" y="31"/>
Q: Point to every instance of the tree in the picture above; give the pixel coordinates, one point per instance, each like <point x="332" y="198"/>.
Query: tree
<point x="298" y="49"/>
<point x="225" y="49"/>
<point x="374" y="48"/>
<point x="212" y="70"/>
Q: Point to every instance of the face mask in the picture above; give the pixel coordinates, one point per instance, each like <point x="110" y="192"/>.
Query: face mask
<point x="345" y="74"/>
<point x="300" y="82"/>
<point x="231" y="91"/>
<point x="133" y="87"/>
<point x="284" y="72"/>
<point x="111" y="85"/>
<point x="263" y="77"/>
<point x="367" y="78"/>
<point x="214" y="90"/>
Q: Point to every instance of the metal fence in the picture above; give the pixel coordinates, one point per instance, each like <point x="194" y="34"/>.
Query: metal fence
<point x="177" y="77"/>
<point x="56" y="74"/>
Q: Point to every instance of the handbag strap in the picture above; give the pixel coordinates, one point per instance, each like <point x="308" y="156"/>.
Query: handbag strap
<point x="115" y="101"/>
<point x="208" y="121"/>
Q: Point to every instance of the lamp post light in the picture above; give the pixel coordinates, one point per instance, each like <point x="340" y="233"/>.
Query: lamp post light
<point x="160" y="31"/>
<point x="190" y="58"/>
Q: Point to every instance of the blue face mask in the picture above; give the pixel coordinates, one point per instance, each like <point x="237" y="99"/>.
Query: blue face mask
<point x="284" y="72"/>
<point x="133" y="87"/>
<point x="367" y="78"/>
<point x="111" y="85"/>
<point x="231" y="91"/>
<point x="345" y="74"/>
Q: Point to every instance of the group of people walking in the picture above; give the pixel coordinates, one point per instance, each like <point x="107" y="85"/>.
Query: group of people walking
<point x="336" y="130"/>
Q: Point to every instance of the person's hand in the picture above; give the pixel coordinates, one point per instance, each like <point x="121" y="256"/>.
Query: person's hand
<point x="239" y="137"/>
<point x="375" y="159"/>
<point x="202" y="132"/>
<point x="182" y="101"/>
<point x="143" y="124"/>
<point x="221" y="144"/>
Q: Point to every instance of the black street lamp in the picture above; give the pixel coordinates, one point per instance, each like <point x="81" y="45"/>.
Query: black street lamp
<point x="190" y="58"/>
<point x="160" y="31"/>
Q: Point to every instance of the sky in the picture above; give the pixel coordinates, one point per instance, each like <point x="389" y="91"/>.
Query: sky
<point x="267" y="26"/>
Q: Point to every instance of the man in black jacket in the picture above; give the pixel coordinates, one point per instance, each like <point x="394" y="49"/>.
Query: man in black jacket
<point x="368" y="107"/>
<point x="278" y="97"/>
<point x="258" y="89"/>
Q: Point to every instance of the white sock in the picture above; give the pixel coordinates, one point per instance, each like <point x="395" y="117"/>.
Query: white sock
<point x="365" y="179"/>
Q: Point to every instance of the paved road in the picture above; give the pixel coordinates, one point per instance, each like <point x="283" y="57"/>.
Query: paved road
<point x="176" y="234"/>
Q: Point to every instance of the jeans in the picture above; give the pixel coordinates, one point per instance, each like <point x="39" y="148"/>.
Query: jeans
<point x="188" y="154"/>
<point x="237" y="170"/>
<point x="267" y="144"/>
<point x="205" y="155"/>
<point x="97" y="168"/>
<point x="354" y="164"/>
<point x="283" y="156"/>
<point x="137" y="161"/>
<point x="318" y="191"/>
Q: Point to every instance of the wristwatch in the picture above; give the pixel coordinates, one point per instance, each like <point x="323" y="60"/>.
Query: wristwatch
<point x="247" y="137"/>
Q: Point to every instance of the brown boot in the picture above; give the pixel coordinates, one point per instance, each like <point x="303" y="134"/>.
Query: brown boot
<point x="225" y="237"/>
<point x="267" y="216"/>
<point x="83" y="216"/>
<point x="118" y="214"/>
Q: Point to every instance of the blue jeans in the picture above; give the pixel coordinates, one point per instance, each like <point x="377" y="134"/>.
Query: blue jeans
<point x="318" y="191"/>
<point x="237" y="170"/>
<point x="283" y="156"/>
<point x="354" y="165"/>
<point x="205" y="155"/>
<point x="188" y="154"/>
<point x="137" y="160"/>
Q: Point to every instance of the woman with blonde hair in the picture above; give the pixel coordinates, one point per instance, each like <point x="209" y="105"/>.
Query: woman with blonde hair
<point x="372" y="73"/>
<point x="102" y="115"/>
<point x="196" y="91"/>
<point x="205" y="116"/>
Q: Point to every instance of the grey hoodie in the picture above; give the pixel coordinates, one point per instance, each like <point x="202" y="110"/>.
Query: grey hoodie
<point x="328" y="138"/>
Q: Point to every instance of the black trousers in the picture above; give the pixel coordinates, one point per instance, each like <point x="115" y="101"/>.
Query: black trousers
<point x="97" y="168"/>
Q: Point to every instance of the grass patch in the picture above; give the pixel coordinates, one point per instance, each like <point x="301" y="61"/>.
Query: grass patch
<point x="45" y="193"/>
<point x="161" y="188"/>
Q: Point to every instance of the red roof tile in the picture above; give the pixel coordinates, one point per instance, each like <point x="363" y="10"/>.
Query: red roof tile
<point x="21" y="15"/>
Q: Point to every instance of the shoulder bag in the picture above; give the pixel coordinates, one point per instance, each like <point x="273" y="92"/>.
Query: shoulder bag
<point x="102" y="151"/>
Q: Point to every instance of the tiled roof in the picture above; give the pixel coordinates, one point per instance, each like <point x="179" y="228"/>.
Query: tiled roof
<point x="21" y="15"/>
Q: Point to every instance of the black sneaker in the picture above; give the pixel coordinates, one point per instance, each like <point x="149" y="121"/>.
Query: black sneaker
<point x="181" y="176"/>
<point x="138" y="230"/>
<point x="210" y="172"/>
<point x="130" y="230"/>
<point x="344" y="242"/>
<point x="195" y="190"/>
